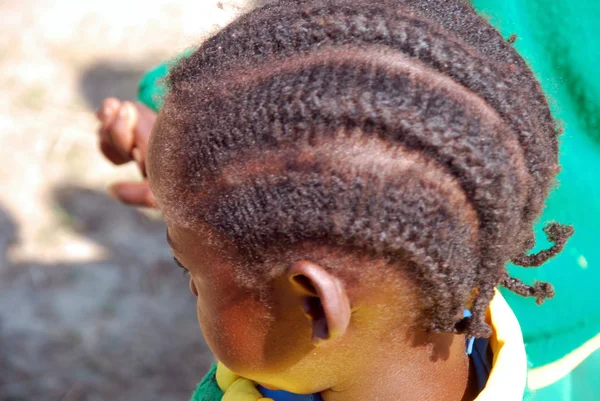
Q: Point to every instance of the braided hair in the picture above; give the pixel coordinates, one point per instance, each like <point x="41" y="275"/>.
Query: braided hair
<point x="408" y="129"/>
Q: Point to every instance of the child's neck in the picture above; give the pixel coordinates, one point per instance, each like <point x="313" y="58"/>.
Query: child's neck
<point x="439" y="370"/>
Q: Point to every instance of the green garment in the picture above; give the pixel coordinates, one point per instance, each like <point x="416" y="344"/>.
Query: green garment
<point x="208" y="389"/>
<point x="151" y="89"/>
<point x="560" y="39"/>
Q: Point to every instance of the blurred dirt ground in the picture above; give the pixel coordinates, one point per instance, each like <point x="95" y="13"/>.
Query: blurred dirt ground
<point x="91" y="304"/>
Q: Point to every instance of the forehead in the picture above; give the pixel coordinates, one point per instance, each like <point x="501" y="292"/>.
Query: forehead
<point x="158" y="140"/>
<point x="164" y="163"/>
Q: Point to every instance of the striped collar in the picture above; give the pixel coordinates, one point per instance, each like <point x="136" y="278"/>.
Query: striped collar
<point x="506" y="381"/>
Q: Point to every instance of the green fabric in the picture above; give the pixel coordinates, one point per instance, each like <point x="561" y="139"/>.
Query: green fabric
<point x="208" y="389"/>
<point x="580" y="385"/>
<point x="559" y="39"/>
<point x="151" y="89"/>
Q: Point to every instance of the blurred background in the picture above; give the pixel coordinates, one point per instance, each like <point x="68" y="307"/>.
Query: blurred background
<point x="92" y="306"/>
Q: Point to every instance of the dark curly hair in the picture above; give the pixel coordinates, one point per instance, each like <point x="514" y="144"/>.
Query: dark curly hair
<point x="408" y="129"/>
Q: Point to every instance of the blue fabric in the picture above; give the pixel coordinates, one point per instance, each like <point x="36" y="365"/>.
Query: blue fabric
<point x="279" y="395"/>
<point x="482" y="361"/>
<point x="470" y="340"/>
<point x="478" y="351"/>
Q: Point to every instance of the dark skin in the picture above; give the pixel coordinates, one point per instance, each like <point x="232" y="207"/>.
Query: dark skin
<point x="328" y="315"/>
<point x="478" y="147"/>
<point x="305" y="338"/>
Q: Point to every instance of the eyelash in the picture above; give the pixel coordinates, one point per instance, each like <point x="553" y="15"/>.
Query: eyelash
<point x="178" y="263"/>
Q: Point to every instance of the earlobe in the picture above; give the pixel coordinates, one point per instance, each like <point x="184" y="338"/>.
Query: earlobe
<point x="323" y="300"/>
<point x="193" y="288"/>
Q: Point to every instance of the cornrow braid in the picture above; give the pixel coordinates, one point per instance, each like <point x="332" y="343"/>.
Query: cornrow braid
<point x="556" y="233"/>
<point x="540" y="290"/>
<point x="383" y="126"/>
<point x="304" y="26"/>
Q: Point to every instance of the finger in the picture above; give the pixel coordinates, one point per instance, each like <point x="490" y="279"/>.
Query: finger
<point x="108" y="114"/>
<point x="133" y="193"/>
<point x="109" y="106"/>
<point x="139" y="158"/>
<point x="111" y="154"/>
<point x="122" y="130"/>
<point x="145" y="123"/>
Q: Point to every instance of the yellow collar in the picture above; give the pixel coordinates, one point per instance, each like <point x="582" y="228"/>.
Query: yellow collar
<point x="509" y="369"/>
<point x="506" y="381"/>
<point x="237" y="388"/>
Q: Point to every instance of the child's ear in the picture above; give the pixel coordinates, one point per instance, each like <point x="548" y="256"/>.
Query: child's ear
<point x="323" y="298"/>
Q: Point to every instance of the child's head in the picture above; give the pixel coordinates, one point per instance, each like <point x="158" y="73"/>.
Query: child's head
<point x="350" y="172"/>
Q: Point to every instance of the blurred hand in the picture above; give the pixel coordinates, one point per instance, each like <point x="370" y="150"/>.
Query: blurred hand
<point x="123" y="136"/>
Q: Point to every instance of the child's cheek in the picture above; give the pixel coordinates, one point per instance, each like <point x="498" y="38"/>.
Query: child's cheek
<point x="235" y="326"/>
